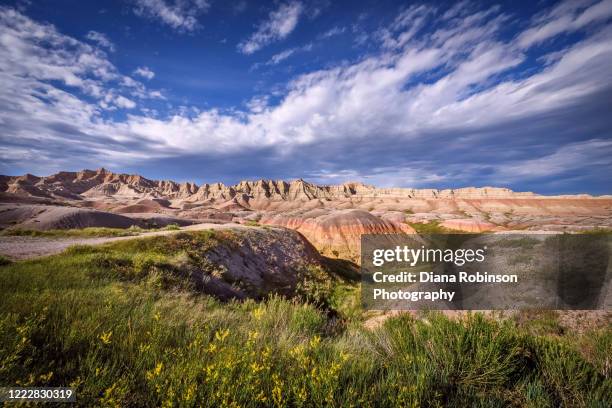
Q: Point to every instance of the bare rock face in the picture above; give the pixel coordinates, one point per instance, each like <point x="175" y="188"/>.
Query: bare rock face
<point x="304" y="206"/>
<point x="337" y="233"/>
<point x="256" y="261"/>
<point x="103" y="183"/>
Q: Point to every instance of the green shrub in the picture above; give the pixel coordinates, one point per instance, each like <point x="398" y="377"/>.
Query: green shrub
<point x="315" y="286"/>
<point x="172" y="227"/>
<point x="4" y="260"/>
<point x="432" y="227"/>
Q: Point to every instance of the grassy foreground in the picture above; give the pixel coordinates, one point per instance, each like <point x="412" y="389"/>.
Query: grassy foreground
<point x="117" y="323"/>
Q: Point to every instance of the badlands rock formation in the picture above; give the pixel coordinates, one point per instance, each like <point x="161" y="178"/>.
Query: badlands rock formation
<point x="331" y="217"/>
<point x="102" y="183"/>
<point x="337" y="232"/>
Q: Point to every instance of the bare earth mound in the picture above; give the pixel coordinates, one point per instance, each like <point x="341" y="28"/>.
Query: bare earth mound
<point x="42" y="217"/>
<point x="338" y="233"/>
<point x="258" y="261"/>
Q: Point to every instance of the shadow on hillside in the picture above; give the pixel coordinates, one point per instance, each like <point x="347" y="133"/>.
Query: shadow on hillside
<point x="342" y="268"/>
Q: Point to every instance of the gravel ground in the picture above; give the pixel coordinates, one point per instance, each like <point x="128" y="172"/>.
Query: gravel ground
<point x="18" y="247"/>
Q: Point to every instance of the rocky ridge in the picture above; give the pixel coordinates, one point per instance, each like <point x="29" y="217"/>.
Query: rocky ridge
<point x="332" y="217"/>
<point x="103" y="183"/>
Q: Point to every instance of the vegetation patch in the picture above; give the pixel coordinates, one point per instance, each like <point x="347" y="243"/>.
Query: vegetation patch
<point x="90" y="232"/>
<point x="432" y="227"/>
<point x="98" y="319"/>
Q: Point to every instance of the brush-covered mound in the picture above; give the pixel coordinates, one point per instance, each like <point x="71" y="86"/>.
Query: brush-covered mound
<point x="233" y="263"/>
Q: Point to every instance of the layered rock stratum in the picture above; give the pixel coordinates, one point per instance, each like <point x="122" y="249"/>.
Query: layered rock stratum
<point x="103" y="183"/>
<point x="332" y="217"/>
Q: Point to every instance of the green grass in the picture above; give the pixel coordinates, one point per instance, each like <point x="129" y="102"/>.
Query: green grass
<point x="540" y="322"/>
<point x="82" y="233"/>
<point x="86" y="232"/>
<point x="432" y="227"/>
<point x="119" y="324"/>
<point x="599" y="230"/>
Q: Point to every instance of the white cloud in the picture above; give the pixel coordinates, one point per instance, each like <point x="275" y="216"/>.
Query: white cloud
<point x="333" y="32"/>
<point x="566" y="17"/>
<point x="407" y="24"/>
<point x="372" y="96"/>
<point x="101" y="39"/>
<point x="283" y="55"/>
<point x="258" y="104"/>
<point x="280" y="24"/>
<point x="33" y="55"/>
<point x="123" y="102"/>
<point x="156" y="95"/>
<point x="567" y="158"/>
<point x="180" y="15"/>
<point x="64" y="59"/>
<point x="144" y="72"/>
<point x="445" y="83"/>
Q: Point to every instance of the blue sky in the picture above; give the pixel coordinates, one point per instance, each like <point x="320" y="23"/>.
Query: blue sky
<point x="409" y="94"/>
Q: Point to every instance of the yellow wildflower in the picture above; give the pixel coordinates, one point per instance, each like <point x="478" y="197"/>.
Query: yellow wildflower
<point x="155" y="372"/>
<point x="258" y="313"/>
<point x="315" y="341"/>
<point x="220" y="335"/>
<point x="106" y="337"/>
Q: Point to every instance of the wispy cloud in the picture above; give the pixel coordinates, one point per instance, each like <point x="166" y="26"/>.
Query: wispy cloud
<point x="332" y="32"/>
<point x="180" y="14"/>
<point x="144" y="72"/>
<point x="566" y="17"/>
<point x="123" y="102"/>
<point x="279" y="24"/>
<point x="285" y="54"/>
<point x="65" y="85"/>
<point x="101" y="39"/>
<point x="568" y="158"/>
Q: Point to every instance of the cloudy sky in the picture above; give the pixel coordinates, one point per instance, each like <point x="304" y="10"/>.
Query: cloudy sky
<point x="393" y="94"/>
